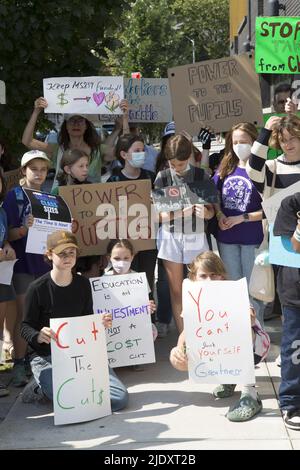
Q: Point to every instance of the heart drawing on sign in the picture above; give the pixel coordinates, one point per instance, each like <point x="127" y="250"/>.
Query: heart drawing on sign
<point x="98" y="97"/>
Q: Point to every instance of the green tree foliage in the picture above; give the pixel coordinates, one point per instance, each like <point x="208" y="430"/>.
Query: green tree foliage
<point x="49" y="38"/>
<point x="148" y="43"/>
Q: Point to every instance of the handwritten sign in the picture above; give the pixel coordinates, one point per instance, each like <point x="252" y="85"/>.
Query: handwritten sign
<point x="2" y="92"/>
<point x="84" y="95"/>
<point x="216" y="93"/>
<point x="272" y="204"/>
<point x="80" y="370"/>
<point x="12" y="178"/>
<point x="218" y="332"/>
<point x="105" y="211"/>
<point x="173" y="198"/>
<point x="281" y="251"/>
<point x="149" y="99"/>
<point x="130" y="340"/>
<point x="277" y="45"/>
<point x="50" y="213"/>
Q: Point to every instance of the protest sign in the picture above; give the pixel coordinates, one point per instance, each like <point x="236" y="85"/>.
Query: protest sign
<point x="126" y="297"/>
<point x="173" y="198"/>
<point x="218" y="332"/>
<point x="83" y="95"/>
<point x="80" y="369"/>
<point x="149" y="99"/>
<point x="216" y="93"/>
<point x="281" y="251"/>
<point x="2" y="92"/>
<point x="50" y="213"/>
<point x="6" y="271"/>
<point x="277" y="45"/>
<point x="12" y="178"/>
<point x="105" y="211"/>
<point x="272" y="204"/>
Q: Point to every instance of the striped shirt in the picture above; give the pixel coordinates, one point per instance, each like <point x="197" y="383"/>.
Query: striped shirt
<point x="261" y="170"/>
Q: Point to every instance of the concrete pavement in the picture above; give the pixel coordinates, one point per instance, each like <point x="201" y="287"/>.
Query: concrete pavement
<point x="165" y="412"/>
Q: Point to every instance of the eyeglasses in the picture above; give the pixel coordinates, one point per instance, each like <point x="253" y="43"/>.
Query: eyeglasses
<point x="67" y="254"/>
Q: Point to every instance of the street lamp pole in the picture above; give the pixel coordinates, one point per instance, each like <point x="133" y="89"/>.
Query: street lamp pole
<point x="179" y="26"/>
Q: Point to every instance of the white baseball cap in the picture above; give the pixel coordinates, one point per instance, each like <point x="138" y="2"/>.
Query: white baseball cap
<point x="31" y="155"/>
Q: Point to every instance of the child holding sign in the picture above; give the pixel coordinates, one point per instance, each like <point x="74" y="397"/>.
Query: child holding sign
<point x="58" y="294"/>
<point x="209" y="267"/>
<point x="34" y="168"/>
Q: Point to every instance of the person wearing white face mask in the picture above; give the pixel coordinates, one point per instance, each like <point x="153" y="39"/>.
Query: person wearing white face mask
<point x="239" y="213"/>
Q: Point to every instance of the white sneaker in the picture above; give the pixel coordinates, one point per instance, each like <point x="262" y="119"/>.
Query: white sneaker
<point x="278" y="360"/>
<point x="162" y="329"/>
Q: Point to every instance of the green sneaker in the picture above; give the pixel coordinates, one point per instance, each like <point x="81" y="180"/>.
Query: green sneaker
<point x="19" y="376"/>
<point x="224" y="391"/>
<point x="244" y="409"/>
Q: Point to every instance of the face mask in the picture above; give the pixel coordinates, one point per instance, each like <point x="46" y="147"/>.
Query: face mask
<point x="121" y="267"/>
<point x="137" y="159"/>
<point x="188" y="167"/>
<point x="242" y="151"/>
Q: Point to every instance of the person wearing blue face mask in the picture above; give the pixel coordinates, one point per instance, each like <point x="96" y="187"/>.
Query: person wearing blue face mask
<point x="130" y="153"/>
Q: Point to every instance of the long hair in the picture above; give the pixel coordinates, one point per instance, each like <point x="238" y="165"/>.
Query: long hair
<point x="90" y="136"/>
<point x="124" y="143"/>
<point x="208" y="262"/>
<point x="68" y="159"/>
<point x="230" y="160"/>
<point x="291" y="123"/>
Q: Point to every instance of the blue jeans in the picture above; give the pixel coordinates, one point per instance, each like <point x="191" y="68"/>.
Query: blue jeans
<point x="289" y="391"/>
<point x="164" y="307"/>
<point x="239" y="261"/>
<point x="42" y="372"/>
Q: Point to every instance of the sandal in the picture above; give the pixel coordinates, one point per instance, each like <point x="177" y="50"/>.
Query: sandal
<point x="224" y="391"/>
<point x="244" y="409"/>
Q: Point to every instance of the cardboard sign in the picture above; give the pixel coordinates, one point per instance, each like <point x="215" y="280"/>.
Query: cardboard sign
<point x="80" y="370"/>
<point x="83" y="95"/>
<point x="216" y="93"/>
<point x="130" y="339"/>
<point x="173" y="198"/>
<point x="50" y="213"/>
<point x="277" y="45"/>
<point x="12" y="178"/>
<point x="272" y="204"/>
<point x="218" y="332"/>
<point x="281" y="251"/>
<point x="105" y="211"/>
<point x="2" y="92"/>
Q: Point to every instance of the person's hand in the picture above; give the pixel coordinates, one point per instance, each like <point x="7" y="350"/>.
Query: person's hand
<point x="179" y="359"/>
<point x="209" y="211"/>
<point x="272" y="122"/>
<point x="232" y="221"/>
<point x="152" y="306"/>
<point x="74" y="225"/>
<point x="124" y="105"/>
<point x="290" y="106"/>
<point x="204" y="137"/>
<point x="45" y="335"/>
<point x="188" y="211"/>
<point x="107" y="320"/>
<point x="40" y="103"/>
<point x="222" y="221"/>
<point x="9" y="252"/>
<point x="29" y="220"/>
<point x="199" y="211"/>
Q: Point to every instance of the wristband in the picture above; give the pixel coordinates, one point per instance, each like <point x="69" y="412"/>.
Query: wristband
<point x="219" y="214"/>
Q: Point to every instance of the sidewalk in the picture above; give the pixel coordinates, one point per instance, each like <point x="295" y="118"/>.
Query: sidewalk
<point x="165" y="412"/>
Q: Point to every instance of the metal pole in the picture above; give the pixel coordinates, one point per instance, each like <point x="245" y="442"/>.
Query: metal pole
<point x="193" y="45"/>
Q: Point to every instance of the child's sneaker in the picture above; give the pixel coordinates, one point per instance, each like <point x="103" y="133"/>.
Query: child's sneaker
<point x="32" y="393"/>
<point x="244" y="409"/>
<point x="292" y="419"/>
<point x="224" y="391"/>
<point x="19" y="376"/>
<point x="3" y="390"/>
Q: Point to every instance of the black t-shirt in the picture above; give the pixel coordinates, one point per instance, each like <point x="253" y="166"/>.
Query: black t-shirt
<point x="45" y="300"/>
<point x="119" y="176"/>
<point x="288" y="279"/>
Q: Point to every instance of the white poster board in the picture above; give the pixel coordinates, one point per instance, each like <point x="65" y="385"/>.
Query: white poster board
<point x="218" y="332"/>
<point x="6" y="271"/>
<point x="2" y="92"/>
<point x="80" y="370"/>
<point x="50" y="213"/>
<point x="272" y="204"/>
<point x="130" y="339"/>
<point x="83" y="95"/>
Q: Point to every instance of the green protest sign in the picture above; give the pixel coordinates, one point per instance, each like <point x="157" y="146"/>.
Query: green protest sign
<point x="277" y="48"/>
